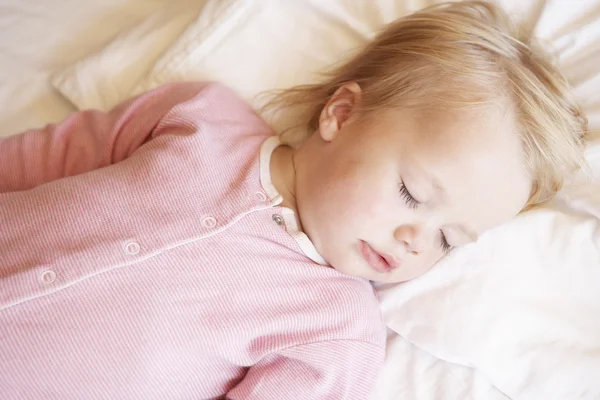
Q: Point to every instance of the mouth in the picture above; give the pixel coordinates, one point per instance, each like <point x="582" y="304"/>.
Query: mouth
<point x="381" y="263"/>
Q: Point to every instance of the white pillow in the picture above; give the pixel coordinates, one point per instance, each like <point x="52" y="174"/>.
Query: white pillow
<point x="104" y="79"/>
<point x="522" y="305"/>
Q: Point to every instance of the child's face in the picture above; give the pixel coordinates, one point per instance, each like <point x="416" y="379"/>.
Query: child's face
<point x="380" y="197"/>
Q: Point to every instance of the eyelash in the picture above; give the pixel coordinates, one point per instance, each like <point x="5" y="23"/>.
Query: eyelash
<point x="413" y="204"/>
<point x="444" y="243"/>
<point x="408" y="198"/>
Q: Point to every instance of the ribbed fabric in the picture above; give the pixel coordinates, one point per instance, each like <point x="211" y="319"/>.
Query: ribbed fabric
<point x="161" y="267"/>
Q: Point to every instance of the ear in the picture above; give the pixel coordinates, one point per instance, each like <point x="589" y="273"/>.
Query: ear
<point x="338" y="110"/>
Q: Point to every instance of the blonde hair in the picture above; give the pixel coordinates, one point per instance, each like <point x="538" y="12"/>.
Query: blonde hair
<point x="457" y="55"/>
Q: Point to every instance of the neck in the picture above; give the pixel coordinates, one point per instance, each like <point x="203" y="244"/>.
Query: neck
<point x="283" y="175"/>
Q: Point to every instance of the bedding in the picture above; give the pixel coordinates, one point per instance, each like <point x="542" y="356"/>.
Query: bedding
<point x="512" y="316"/>
<point x="40" y="37"/>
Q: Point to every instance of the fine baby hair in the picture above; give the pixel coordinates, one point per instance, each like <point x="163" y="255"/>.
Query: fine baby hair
<point x="460" y="55"/>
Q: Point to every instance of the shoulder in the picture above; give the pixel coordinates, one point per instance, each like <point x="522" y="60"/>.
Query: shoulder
<point x="348" y="309"/>
<point x="211" y="101"/>
<point x="211" y="112"/>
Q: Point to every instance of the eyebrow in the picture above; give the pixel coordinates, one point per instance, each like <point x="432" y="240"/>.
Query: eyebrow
<point x="469" y="232"/>
<point x="440" y="190"/>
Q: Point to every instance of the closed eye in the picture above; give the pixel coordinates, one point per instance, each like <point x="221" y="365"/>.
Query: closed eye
<point x="408" y="198"/>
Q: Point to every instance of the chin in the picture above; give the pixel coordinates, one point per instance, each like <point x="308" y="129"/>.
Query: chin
<point x="357" y="268"/>
<point x="350" y="267"/>
<point x="392" y="279"/>
<point x="365" y="272"/>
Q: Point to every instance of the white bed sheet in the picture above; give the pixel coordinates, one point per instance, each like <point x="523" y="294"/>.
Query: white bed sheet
<point x="411" y="373"/>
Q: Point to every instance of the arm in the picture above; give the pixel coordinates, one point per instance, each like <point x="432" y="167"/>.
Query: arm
<point x="86" y="140"/>
<point x="342" y="369"/>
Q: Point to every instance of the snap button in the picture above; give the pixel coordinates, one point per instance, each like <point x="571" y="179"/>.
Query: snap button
<point x="278" y="219"/>
<point x="261" y="196"/>
<point x="48" y="277"/>
<point x="132" y="248"/>
<point x="209" y="222"/>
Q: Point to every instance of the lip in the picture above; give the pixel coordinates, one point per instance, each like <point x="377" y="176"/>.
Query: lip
<point x="381" y="263"/>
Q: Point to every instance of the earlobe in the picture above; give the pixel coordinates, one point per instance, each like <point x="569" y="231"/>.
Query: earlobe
<point x="328" y="127"/>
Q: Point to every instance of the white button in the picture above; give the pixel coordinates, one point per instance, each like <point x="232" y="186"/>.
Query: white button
<point x="48" y="277"/>
<point x="209" y="222"/>
<point x="132" y="248"/>
<point x="261" y="196"/>
<point x="278" y="219"/>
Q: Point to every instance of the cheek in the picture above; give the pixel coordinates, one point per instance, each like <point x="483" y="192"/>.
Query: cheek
<point x="357" y="199"/>
<point x="352" y="197"/>
<point x="335" y="185"/>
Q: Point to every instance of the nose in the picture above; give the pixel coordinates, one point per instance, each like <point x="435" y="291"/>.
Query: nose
<point x="413" y="237"/>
